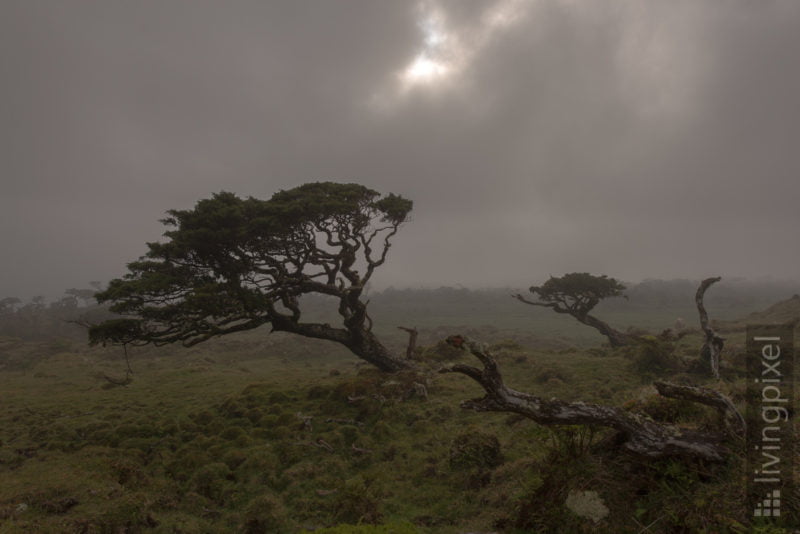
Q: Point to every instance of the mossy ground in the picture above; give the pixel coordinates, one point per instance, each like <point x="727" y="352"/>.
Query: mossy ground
<point x="247" y="436"/>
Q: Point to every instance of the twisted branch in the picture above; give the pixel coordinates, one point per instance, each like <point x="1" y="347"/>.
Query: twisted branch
<point x="639" y="434"/>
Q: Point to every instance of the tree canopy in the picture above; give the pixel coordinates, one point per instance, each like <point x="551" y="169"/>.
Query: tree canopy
<point x="577" y="294"/>
<point x="233" y="264"/>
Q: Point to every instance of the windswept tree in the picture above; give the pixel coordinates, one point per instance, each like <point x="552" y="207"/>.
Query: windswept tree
<point x="233" y="264"/>
<point x="577" y="294"/>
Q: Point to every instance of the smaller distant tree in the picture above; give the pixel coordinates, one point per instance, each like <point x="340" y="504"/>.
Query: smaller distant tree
<point x="577" y="294"/>
<point x="37" y="303"/>
<point x="69" y="303"/>
<point x="85" y="295"/>
<point x="8" y="305"/>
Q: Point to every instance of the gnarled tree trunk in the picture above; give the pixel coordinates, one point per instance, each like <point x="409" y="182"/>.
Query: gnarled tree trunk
<point x="712" y="346"/>
<point x="581" y="314"/>
<point x="362" y="342"/>
<point x="638" y="434"/>
<point x="615" y="337"/>
<point x="368" y="347"/>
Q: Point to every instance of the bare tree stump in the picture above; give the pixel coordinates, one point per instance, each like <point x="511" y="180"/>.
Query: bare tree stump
<point x="412" y="341"/>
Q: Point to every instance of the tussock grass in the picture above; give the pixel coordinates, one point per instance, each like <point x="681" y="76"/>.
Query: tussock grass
<point x="253" y="436"/>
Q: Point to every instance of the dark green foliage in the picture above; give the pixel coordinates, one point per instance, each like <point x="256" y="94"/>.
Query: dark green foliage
<point x="117" y="332"/>
<point x="653" y="357"/>
<point x="265" y="514"/>
<point x="187" y="460"/>
<point x="211" y="480"/>
<point x="358" y="502"/>
<point x="389" y="528"/>
<point x="569" y="443"/>
<point x="578" y="292"/>
<point x="128" y="472"/>
<point x="475" y="450"/>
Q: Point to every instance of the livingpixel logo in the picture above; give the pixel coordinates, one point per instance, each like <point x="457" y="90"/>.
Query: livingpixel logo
<point x="770" y="414"/>
<point x="770" y="506"/>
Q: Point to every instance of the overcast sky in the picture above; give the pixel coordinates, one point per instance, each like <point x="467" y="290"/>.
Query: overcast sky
<point x="632" y="138"/>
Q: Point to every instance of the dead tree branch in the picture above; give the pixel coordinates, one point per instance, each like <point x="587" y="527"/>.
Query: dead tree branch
<point x="712" y="346"/>
<point x="732" y="418"/>
<point x="638" y="434"/>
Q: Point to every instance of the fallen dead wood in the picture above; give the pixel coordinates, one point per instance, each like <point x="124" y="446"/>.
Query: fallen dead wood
<point x="637" y="434"/>
<point x="360" y="450"/>
<point x="321" y="443"/>
<point x="344" y="421"/>
<point x="732" y="418"/>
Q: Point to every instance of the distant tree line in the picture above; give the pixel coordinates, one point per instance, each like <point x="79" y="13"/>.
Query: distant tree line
<point x="649" y="293"/>
<point x="38" y="319"/>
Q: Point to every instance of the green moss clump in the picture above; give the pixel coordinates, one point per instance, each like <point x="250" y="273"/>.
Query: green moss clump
<point x="232" y="433"/>
<point x="234" y="458"/>
<point x="211" y="480"/>
<point x="265" y="514"/>
<point x="254" y="415"/>
<point x="358" y="502"/>
<point x="128" y="472"/>
<point x="388" y="528"/>
<point x="475" y="450"/>
<point x="203" y="418"/>
<point x="187" y="460"/>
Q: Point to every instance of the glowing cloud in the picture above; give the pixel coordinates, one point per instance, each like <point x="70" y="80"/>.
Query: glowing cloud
<point x="424" y="70"/>
<point x="446" y="52"/>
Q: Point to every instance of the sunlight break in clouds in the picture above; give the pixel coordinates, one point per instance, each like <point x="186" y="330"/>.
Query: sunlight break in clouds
<point x="437" y="56"/>
<point x="445" y="51"/>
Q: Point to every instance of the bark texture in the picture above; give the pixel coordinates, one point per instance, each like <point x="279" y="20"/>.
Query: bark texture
<point x="361" y="342"/>
<point x="732" y="418"/>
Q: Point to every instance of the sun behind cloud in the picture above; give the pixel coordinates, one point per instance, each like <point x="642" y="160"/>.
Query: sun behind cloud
<point x="424" y="70"/>
<point x="446" y="50"/>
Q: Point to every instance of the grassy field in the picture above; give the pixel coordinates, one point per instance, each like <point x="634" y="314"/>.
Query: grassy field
<point x="272" y="433"/>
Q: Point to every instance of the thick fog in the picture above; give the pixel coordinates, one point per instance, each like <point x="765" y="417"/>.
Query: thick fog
<point x="638" y="139"/>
